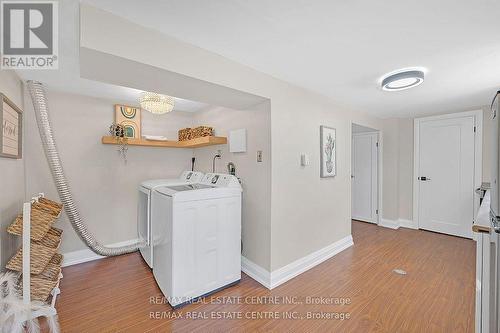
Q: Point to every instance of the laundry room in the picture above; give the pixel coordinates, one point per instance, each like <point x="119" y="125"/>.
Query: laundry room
<point x="104" y="177"/>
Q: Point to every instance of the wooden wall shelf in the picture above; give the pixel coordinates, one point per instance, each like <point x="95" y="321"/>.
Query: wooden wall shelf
<point x="194" y="143"/>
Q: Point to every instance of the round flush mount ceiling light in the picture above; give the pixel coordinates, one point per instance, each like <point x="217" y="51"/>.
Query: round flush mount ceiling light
<point x="156" y="103"/>
<point x="402" y="80"/>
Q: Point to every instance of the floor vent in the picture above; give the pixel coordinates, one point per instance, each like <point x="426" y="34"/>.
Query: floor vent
<point x="399" y="271"/>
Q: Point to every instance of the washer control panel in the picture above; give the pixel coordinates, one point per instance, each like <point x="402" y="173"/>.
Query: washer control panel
<point x="220" y="180"/>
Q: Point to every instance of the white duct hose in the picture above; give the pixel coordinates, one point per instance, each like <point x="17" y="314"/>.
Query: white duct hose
<point x="40" y="105"/>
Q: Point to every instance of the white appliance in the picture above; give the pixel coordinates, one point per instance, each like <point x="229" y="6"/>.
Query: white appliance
<point x="144" y="208"/>
<point x="487" y="238"/>
<point x="199" y="249"/>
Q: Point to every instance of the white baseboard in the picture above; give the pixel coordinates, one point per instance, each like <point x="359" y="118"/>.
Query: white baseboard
<point x="288" y="272"/>
<point x="256" y="272"/>
<point x="301" y="265"/>
<point x="407" y="224"/>
<point x="81" y="256"/>
<point x="396" y="224"/>
<point x="389" y="223"/>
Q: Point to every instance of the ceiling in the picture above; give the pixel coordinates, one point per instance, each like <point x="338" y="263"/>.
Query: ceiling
<point x="67" y="77"/>
<point x="340" y="49"/>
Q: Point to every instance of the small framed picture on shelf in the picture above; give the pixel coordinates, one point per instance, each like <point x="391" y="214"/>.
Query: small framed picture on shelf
<point x="11" y="141"/>
<point x="130" y="118"/>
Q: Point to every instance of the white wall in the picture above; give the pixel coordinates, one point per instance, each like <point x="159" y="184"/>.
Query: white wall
<point x="103" y="187"/>
<point x="12" y="185"/>
<point x="307" y="213"/>
<point x="405" y="169"/>
<point x="255" y="176"/>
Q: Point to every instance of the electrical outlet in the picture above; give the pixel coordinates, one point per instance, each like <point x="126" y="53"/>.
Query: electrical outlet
<point x="259" y="155"/>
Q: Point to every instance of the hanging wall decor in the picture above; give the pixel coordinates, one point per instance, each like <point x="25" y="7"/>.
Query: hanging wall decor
<point x="130" y="118"/>
<point x="11" y="140"/>
<point x="328" y="146"/>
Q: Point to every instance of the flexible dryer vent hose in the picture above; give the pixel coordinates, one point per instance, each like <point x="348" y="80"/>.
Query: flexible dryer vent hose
<point x="40" y="105"/>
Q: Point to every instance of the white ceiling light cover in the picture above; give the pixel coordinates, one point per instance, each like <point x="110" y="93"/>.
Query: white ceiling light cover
<point x="402" y="80"/>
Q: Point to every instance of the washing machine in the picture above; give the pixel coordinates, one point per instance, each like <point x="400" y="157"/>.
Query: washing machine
<point x="199" y="247"/>
<point x="144" y="228"/>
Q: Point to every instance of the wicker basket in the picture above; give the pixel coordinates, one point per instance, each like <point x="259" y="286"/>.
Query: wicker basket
<point x="52" y="239"/>
<point x="56" y="212"/>
<point x="201" y="131"/>
<point x="185" y="134"/>
<point x="48" y="202"/>
<point x="40" y="287"/>
<point x="57" y="259"/>
<point x="41" y="221"/>
<point x="40" y="256"/>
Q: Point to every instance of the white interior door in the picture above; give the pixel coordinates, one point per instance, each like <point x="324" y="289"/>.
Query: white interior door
<point x="364" y="177"/>
<point x="445" y="171"/>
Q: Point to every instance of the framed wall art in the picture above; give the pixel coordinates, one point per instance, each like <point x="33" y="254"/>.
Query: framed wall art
<point x="11" y="140"/>
<point x="328" y="144"/>
<point x="130" y="118"/>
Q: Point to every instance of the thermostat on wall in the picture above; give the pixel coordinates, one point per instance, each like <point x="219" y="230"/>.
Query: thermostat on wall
<point x="238" y="141"/>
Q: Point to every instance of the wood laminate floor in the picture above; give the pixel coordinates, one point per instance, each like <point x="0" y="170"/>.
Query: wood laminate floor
<point x="436" y="295"/>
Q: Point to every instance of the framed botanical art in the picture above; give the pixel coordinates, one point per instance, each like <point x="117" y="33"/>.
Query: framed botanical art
<point x="11" y="140"/>
<point x="328" y="144"/>
<point x="130" y="118"/>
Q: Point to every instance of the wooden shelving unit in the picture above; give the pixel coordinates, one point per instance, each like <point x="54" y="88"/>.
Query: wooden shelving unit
<point x="194" y="143"/>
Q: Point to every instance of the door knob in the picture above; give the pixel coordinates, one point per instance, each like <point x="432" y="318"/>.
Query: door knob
<point x="424" y="178"/>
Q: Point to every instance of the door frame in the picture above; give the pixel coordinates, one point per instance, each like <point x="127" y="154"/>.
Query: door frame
<point x="478" y="155"/>
<point x="376" y="134"/>
<point x="379" y="171"/>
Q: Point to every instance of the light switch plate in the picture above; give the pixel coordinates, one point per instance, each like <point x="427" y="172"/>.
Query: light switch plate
<point x="304" y="160"/>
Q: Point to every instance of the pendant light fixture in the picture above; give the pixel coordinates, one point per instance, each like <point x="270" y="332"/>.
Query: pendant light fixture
<point x="156" y="103"/>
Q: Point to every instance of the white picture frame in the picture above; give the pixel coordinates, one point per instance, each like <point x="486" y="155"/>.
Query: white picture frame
<point x="11" y="140"/>
<point x="328" y="148"/>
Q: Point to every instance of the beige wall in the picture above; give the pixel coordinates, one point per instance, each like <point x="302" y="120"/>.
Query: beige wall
<point x="405" y="169"/>
<point x="104" y="188"/>
<point x="12" y="185"/>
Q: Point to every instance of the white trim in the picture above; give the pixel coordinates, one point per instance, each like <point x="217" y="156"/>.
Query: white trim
<point x="256" y="272"/>
<point x="301" y="265"/>
<point x="376" y="219"/>
<point x="288" y="272"/>
<point x="478" y="155"/>
<point x="407" y="224"/>
<point x="391" y="224"/>
<point x="380" y="168"/>
<point x="81" y="256"/>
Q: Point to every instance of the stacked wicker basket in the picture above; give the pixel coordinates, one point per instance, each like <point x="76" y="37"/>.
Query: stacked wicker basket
<point x="45" y="261"/>
<point x="193" y="133"/>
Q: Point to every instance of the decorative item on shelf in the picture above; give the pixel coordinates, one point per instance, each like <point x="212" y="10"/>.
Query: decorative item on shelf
<point x="328" y="147"/>
<point x="185" y="134"/>
<point x="130" y="118"/>
<point x="118" y="132"/>
<point x="12" y="119"/>
<point x="193" y="133"/>
<point x="202" y="131"/>
<point x="156" y="103"/>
